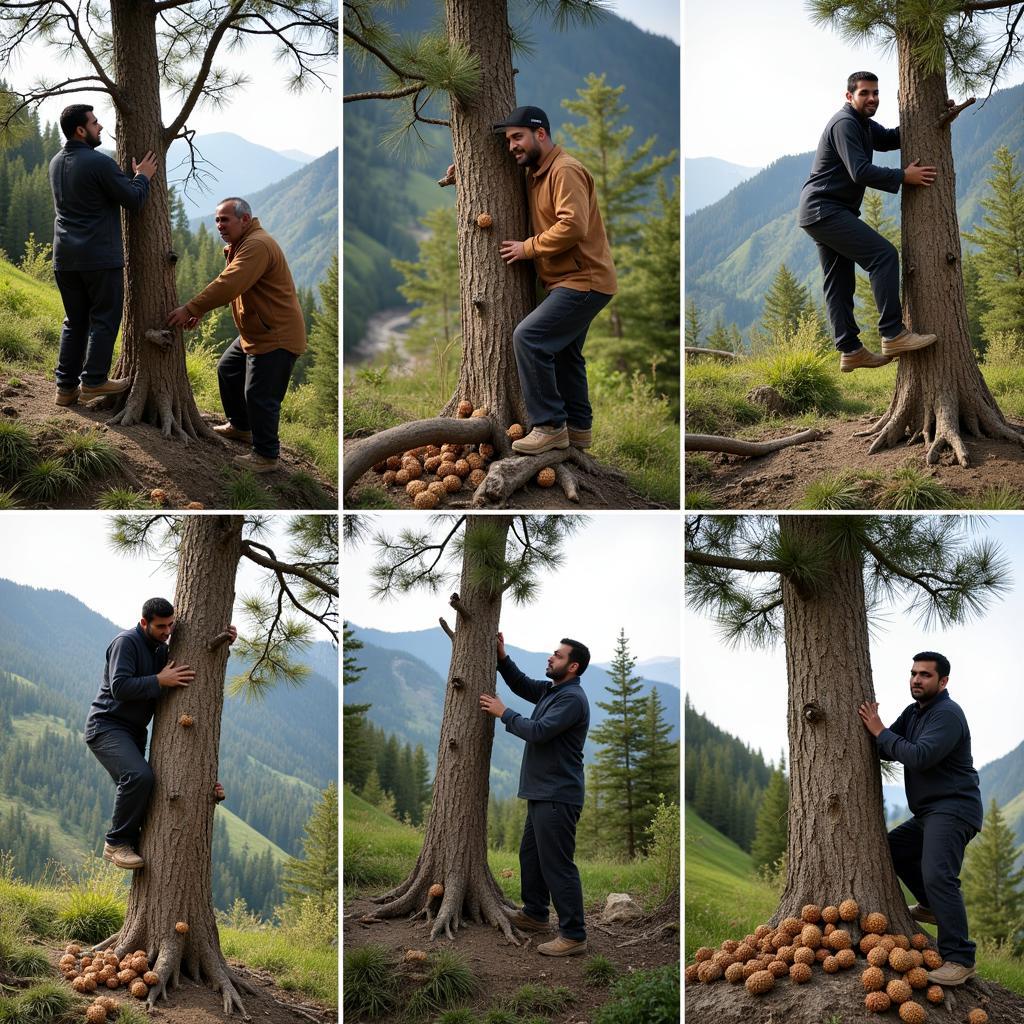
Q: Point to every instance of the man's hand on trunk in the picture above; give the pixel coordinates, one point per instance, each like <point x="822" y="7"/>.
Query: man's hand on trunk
<point x="868" y="712"/>
<point x="492" y="705"/>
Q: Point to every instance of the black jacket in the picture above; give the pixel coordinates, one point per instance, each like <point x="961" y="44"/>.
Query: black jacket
<point x="842" y="167"/>
<point x="128" y="695"/>
<point x="89" y="190"/>
<point x="934" y="745"/>
<point x="552" y="767"/>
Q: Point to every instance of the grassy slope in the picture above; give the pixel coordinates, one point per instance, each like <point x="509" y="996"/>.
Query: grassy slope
<point x="242" y="834"/>
<point x="67" y="847"/>
<point x="44" y="298"/>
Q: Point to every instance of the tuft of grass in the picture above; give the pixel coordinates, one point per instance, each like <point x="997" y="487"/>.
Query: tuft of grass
<point x="44" y="1002"/>
<point x="369" y="982"/>
<point x="804" y="377"/>
<point x="998" y="496"/>
<point x="131" y="1013"/>
<point x="449" y="981"/>
<point x="243" y="491"/>
<point x="46" y="480"/>
<point x="909" y="488"/>
<point x="301" y="490"/>
<point x="90" y="913"/>
<point x="833" y="492"/>
<point x="8" y="500"/>
<point x="599" y="970"/>
<point x="88" y="456"/>
<point x="370" y="497"/>
<point x="17" y="447"/>
<point x="460" y="1016"/>
<point x="19" y="958"/>
<point x="699" y="499"/>
<point x="124" y="498"/>
<point x="17" y="341"/>
<point x="533" y="998"/>
<point x="499" y="1016"/>
<point x="651" y="996"/>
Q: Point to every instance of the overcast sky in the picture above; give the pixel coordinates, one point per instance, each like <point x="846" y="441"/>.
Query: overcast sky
<point x="762" y="82"/>
<point x="658" y="16"/>
<point x="620" y="571"/>
<point x="744" y="692"/>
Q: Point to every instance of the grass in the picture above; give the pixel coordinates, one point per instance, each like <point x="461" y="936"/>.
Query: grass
<point x="47" y="480"/>
<point x="910" y="488"/>
<point x="834" y="492"/>
<point x="599" y="970"/>
<point x="88" y="455"/>
<point x="533" y="998"/>
<point x="242" y="490"/>
<point x="124" y="498"/>
<point x="17" y="447"/>
<point x="90" y="914"/>
<point x="370" y="987"/>
<point x="296" y="966"/>
<point x="648" y="996"/>
<point x="449" y="982"/>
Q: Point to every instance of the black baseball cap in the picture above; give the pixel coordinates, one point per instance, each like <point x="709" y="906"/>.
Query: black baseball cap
<point x="525" y="117"/>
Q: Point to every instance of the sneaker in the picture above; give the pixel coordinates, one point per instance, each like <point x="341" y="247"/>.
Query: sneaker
<point x="67" y="396"/>
<point x="951" y="974"/>
<point x="580" y="438"/>
<point x="122" y="857"/>
<point x="525" y="923"/>
<point x="255" y="462"/>
<point x="108" y="387"/>
<point x="922" y="914"/>
<point x="232" y="432"/>
<point x="563" y="947"/>
<point x="862" y="358"/>
<point x="906" y="341"/>
<point x="542" y="439"/>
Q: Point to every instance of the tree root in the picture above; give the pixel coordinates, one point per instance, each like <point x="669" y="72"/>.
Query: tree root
<point x="732" y="446"/>
<point x="173" y="417"/>
<point x="506" y="476"/>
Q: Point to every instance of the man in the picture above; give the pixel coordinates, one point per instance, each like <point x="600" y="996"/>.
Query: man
<point x="136" y="674"/>
<point x="254" y="371"/>
<point x="830" y="213"/>
<point x="551" y="781"/>
<point x="572" y="258"/>
<point x="89" y="190"/>
<point x="933" y="742"/>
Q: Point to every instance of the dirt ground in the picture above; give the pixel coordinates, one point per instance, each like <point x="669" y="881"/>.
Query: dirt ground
<point x="779" y="480"/>
<point x="186" y="473"/>
<point x="502" y="968"/>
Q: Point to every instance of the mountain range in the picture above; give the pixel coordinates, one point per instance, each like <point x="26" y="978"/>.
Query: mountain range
<point x="708" y="179"/>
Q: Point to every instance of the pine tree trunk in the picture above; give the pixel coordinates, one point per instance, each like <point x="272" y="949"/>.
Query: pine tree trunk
<point x="152" y="356"/>
<point x="176" y="883"/>
<point x="454" y="852"/>
<point x="940" y="394"/>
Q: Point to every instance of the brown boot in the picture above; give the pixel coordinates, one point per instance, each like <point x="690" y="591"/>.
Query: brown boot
<point x="542" y="439"/>
<point x="67" y="396"/>
<point x="861" y="359"/>
<point x="122" y="857"/>
<point x="906" y="341"/>
<point x="108" y="387"/>
<point x="232" y="432"/>
<point x="580" y="438"/>
<point x="563" y="947"/>
<point x="922" y="914"/>
<point x="525" y="923"/>
<point x="951" y="974"/>
<point x="255" y="462"/>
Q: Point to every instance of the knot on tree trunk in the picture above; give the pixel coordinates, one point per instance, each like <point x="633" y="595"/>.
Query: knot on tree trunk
<point x="813" y="713"/>
<point x="162" y="339"/>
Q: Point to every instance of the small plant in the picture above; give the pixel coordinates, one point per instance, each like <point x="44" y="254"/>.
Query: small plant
<point x="8" y="500"/>
<point x="804" y="378"/>
<point x="370" y="987"/>
<point x="499" y="1017"/>
<point x="90" y="913"/>
<point x="461" y="1016"/>
<point x="132" y="1013"/>
<point x="999" y="496"/>
<point x="699" y="499"/>
<point x="243" y="491"/>
<point x="44" y="1002"/>
<point x="124" y="498"/>
<point x="833" y="492"/>
<point x="531" y="998"/>
<point x="650" y="996"/>
<point x="47" y="479"/>
<point x="304" y="491"/>
<point x="449" y="982"/>
<point x="599" y="970"/>
<point x="17" y="447"/>
<point x="88" y="455"/>
<point x="19" y="958"/>
<point x="911" y="489"/>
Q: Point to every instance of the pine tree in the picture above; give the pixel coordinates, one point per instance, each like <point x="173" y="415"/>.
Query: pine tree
<point x="786" y="302"/>
<point x="728" y="339"/>
<point x="420" y="785"/>
<point x="372" y="792"/>
<point x="355" y="743"/>
<point x="315" y="875"/>
<point x="993" y="889"/>
<point x="323" y="343"/>
<point x="657" y="759"/>
<point x="694" y="324"/>
<point x="771" y="830"/>
<point x="867" y="313"/>
<point x="976" y="304"/>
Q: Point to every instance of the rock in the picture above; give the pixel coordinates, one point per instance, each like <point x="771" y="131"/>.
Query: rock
<point x="768" y="399"/>
<point x="620" y="907"/>
<point x="9" y="410"/>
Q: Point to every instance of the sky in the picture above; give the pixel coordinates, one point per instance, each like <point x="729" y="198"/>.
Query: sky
<point x="620" y="572"/>
<point x="755" y="95"/>
<point x="985" y="678"/>
<point x="71" y="552"/>
<point x="658" y="16"/>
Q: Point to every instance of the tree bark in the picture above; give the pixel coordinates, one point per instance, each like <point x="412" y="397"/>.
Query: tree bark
<point x="176" y="883"/>
<point x="152" y="356"/>
<point x="940" y="395"/>
<point x="454" y="852"/>
<point x="837" y="846"/>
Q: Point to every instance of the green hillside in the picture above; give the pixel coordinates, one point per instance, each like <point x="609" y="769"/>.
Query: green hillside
<point x="240" y="834"/>
<point x="67" y="847"/>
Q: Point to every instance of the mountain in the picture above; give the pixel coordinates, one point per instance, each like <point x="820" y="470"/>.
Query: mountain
<point x="708" y="179"/>
<point x="297" y="154"/>
<point x="735" y="246"/>
<point x="1002" y="780"/>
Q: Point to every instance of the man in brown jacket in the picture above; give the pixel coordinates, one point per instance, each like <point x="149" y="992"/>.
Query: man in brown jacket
<point x="254" y="371"/>
<point x="572" y="258"/>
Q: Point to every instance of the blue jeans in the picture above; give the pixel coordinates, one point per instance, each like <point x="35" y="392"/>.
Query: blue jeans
<point x="252" y="389"/>
<point x="124" y="758"/>
<point x="93" y="300"/>
<point x="549" y="356"/>
<point x="546" y="866"/>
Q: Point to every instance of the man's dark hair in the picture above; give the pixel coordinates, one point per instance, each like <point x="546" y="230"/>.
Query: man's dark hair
<point x="157" y="607"/>
<point x="73" y="117"/>
<point x="577" y="653"/>
<point x="941" y="661"/>
<point x="860" y="76"/>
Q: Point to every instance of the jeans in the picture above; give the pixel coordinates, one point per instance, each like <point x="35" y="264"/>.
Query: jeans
<point x="93" y="300"/>
<point x="548" y="346"/>
<point x="252" y="389"/>
<point x="123" y="756"/>
<point x="844" y="240"/>
<point x="548" y="872"/>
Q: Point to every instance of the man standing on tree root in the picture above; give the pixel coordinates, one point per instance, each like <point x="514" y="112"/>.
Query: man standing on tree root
<point x="137" y="672"/>
<point x="932" y="741"/>
<point x="830" y="213"/>
<point x="89" y="190"/>
<point x="551" y="781"/>
<point x="254" y="371"/>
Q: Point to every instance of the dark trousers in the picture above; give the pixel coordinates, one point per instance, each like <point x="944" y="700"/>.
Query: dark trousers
<point x="844" y="240"/>
<point x="548" y="346"/>
<point x="124" y="759"/>
<point x="927" y="853"/>
<point x="548" y="872"/>
<point x="252" y="389"/>
<point x="93" y="300"/>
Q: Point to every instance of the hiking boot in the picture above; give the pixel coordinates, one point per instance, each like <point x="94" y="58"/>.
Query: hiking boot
<point x="861" y="359"/>
<point x="122" y="857"/>
<point x="542" y="439"/>
<point x="580" y="438"/>
<point x="232" y="432"/>
<point x="68" y="396"/>
<point x="108" y="387"/>
<point x="563" y="947"/>
<point x="255" y="462"/>
<point x="951" y="974"/>
<point x="525" y="923"/>
<point x="922" y="914"/>
<point x="906" y="341"/>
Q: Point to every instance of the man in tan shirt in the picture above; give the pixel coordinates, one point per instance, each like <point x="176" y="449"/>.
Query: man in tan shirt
<point x="572" y="258"/>
<point x="253" y="372"/>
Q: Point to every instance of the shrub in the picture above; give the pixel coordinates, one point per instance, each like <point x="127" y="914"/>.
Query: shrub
<point x="651" y="996"/>
<point x="803" y="377"/>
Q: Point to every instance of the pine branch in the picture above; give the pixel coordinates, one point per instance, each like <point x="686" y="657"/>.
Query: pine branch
<point x="393" y="95"/>
<point x="741" y="564"/>
<point x="379" y="54"/>
<point x="265" y="557"/>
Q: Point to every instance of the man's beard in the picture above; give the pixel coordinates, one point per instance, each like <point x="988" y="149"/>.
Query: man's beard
<point x="555" y="676"/>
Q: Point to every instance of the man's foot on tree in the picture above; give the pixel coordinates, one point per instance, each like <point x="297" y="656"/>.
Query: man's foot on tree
<point x="218" y="792"/>
<point x="906" y="341"/>
<point x="951" y="974"/>
<point x="108" y="387"/>
<point x="67" y="396"/>
<point x="563" y="947"/>
<point x="862" y="358"/>
<point x="525" y="923"/>
<point x="232" y="432"/>
<point x="580" y="438"/>
<point x="922" y="914"/>
<point x="122" y="857"/>
<point x="542" y="439"/>
<point x="255" y="462"/>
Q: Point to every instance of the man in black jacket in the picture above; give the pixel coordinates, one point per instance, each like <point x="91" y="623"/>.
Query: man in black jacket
<point x="89" y="190"/>
<point x="830" y="213"/>
<point x="551" y="781"/>
<point x="932" y="741"/>
<point x="137" y="672"/>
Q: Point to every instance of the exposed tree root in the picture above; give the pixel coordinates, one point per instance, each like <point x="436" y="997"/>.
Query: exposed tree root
<point x="731" y="446"/>
<point x="715" y="353"/>
<point x="178" y="420"/>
